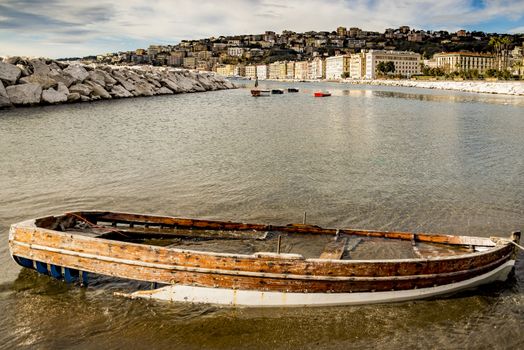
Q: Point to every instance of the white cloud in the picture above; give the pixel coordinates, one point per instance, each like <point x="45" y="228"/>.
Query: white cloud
<point x="78" y="28"/>
<point x="518" y="30"/>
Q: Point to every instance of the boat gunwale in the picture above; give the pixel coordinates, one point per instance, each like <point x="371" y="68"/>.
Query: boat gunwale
<point x="31" y="224"/>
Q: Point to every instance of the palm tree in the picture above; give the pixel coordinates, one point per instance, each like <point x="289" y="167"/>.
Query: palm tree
<point x="501" y="46"/>
<point x="517" y="65"/>
<point x="495" y="43"/>
<point x="506" y="42"/>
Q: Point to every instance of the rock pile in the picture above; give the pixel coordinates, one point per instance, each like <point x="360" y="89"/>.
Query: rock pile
<point x="43" y="81"/>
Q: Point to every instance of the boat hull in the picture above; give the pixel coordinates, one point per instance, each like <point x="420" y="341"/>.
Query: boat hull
<point x="45" y="245"/>
<point x="250" y="298"/>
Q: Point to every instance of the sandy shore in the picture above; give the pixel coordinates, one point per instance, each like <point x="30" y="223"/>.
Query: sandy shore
<point x="498" y="87"/>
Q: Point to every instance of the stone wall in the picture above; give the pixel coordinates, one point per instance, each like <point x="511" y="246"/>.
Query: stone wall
<point x="39" y="81"/>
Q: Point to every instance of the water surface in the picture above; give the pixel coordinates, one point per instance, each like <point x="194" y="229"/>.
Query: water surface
<point x="368" y="157"/>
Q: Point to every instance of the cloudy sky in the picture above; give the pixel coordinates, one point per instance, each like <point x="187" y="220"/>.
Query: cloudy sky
<point x="67" y="28"/>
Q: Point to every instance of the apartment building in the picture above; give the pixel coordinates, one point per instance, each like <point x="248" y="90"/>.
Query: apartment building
<point x="336" y="66"/>
<point x="278" y="70"/>
<point x="357" y="66"/>
<point x="317" y="68"/>
<point x="226" y="70"/>
<point x="301" y="70"/>
<point x="262" y="71"/>
<point x="251" y="71"/>
<point x="290" y="70"/>
<point x="406" y="63"/>
<point x="463" y="61"/>
<point x="235" y="51"/>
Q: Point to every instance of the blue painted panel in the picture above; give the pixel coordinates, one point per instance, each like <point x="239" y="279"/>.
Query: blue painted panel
<point x="42" y="268"/>
<point x="70" y="275"/>
<point x="84" y="278"/>
<point x="56" y="271"/>
<point x="24" y="262"/>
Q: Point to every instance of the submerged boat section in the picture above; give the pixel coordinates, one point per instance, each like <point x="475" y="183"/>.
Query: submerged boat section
<point x="258" y="264"/>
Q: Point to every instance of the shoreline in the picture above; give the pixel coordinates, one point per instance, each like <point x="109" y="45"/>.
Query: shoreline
<point x="28" y="82"/>
<point x="512" y="88"/>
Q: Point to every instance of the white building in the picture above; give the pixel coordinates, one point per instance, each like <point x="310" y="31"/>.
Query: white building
<point x="406" y="63"/>
<point x="317" y="68"/>
<point x="357" y="66"/>
<point x="301" y="70"/>
<point x="251" y="71"/>
<point x="464" y="61"/>
<point x="336" y="66"/>
<point x="235" y="51"/>
<point x="262" y="71"/>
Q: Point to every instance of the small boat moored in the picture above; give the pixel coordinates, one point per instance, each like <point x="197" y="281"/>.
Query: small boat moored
<point x="259" y="93"/>
<point x="292" y="90"/>
<point x="277" y="91"/>
<point x="229" y="263"/>
<point x="322" y="94"/>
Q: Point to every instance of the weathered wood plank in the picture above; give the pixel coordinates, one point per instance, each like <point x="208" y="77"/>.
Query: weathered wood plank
<point x="334" y="249"/>
<point x="271" y="264"/>
<point x="238" y="280"/>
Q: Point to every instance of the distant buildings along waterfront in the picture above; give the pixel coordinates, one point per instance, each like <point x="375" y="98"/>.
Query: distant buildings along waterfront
<point x="345" y="52"/>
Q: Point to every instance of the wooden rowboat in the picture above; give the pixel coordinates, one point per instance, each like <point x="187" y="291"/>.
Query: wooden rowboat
<point x="259" y="93"/>
<point x="257" y="264"/>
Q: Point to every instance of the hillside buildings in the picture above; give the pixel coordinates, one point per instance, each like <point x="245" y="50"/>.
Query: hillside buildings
<point x="344" y="52"/>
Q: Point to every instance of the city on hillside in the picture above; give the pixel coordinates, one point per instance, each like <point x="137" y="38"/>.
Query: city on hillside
<point x="344" y="53"/>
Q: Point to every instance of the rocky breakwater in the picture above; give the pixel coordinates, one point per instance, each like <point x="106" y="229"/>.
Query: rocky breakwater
<point x="38" y="81"/>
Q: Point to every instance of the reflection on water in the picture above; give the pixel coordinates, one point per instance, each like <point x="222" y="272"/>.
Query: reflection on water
<point x="450" y="97"/>
<point x="377" y="158"/>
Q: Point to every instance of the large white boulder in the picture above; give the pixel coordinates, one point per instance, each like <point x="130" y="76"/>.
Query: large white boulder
<point x="98" y="90"/>
<point x="123" y="81"/>
<point x="24" y="94"/>
<point x="82" y="89"/>
<point x="163" y="91"/>
<point x="119" y="91"/>
<point x="143" y="88"/>
<point x="9" y="73"/>
<point x="73" y="97"/>
<point x="166" y="81"/>
<point x="78" y="72"/>
<point x="62" y="77"/>
<point x="39" y="66"/>
<point x="55" y="96"/>
<point x="42" y="79"/>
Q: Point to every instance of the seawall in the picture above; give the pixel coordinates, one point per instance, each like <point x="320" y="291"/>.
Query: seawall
<point x="40" y="81"/>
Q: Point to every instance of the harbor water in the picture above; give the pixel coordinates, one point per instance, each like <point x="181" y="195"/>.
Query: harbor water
<point x="383" y="158"/>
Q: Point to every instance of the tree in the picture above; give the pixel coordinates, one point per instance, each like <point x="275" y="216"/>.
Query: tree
<point x="381" y="67"/>
<point x="390" y="67"/>
<point x="386" y="67"/>
<point x="518" y="65"/>
<point x="501" y="47"/>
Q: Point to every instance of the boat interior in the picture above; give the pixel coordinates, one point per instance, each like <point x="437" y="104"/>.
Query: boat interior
<point x="311" y="242"/>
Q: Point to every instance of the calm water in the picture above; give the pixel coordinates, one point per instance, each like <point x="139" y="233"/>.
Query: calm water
<point x="376" y="158"/>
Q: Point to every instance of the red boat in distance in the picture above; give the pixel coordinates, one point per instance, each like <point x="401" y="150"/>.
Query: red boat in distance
<point x="322" y="94"/>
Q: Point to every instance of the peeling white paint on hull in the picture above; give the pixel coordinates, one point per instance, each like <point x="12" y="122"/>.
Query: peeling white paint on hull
<point x="220" y="296"/>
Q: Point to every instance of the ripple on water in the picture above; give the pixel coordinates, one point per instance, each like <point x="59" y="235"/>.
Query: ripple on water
<point x="375" y="158"/>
